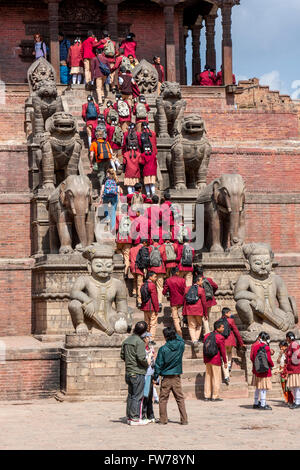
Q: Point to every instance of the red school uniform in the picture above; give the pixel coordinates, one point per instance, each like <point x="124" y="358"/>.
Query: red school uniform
<point x="139" y="229"/>
<point x="157" y="269"/>
<point x="179" y="257"/>
<point x="175" y="286"/>
<point x="207" y="78"/>
<point x="152" y="304"/>
<point x="119" y="238"/>
<point x="170" y="264"/>
<point x="293" y="355"/>
<point x="217" y="359"/>
<point x="150" y="164"/>
<point x="132" y="259"/>
<point x="254" y="350"/>
<point x="197" y="309"/>
<point x="213" y="301"/>
<point x="234" y="336"/>
<point x="126" y="118"/>
<point x="132" y="160"/>
<point x="147" y="110"/>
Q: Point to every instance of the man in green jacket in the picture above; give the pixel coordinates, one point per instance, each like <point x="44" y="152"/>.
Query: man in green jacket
<point x="168" y="364"/>
<point x="134" y="354"/>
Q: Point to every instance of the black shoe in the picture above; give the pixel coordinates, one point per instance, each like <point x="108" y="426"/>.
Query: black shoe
<point x="256" y="407"/>
<point x="266" y="407"/>
<point x="139" y="305"/>
<point x="153" y="343"/>
<point x="294" y="406"/>
<point x="206" y="399"/>
<point x="217" y="399"/>
<point x="227" y="381"/>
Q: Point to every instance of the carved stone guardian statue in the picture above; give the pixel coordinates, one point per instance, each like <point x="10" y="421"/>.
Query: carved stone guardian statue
<point x="170" y="110"/>
<point x="262" y="299"/>
<point x="99" y="300"/>
<point x="146" y="77"/>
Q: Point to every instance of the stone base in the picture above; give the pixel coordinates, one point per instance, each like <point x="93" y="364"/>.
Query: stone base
<point x="249" y="337"/>
<point x="92" y="372"/>
<point x="94" y="340"/>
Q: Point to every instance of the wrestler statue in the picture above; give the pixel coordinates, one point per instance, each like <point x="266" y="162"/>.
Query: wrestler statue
<point x="99" y="300"/>
<point x="262" y="299"/>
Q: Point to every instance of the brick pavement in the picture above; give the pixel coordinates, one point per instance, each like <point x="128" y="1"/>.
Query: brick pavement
<point x="232" y="424"/>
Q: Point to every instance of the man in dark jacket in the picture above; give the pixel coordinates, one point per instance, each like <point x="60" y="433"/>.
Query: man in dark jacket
<point x="168" y="364"/>
<point x="64" y="46"/>
<point x="134" y="354"/>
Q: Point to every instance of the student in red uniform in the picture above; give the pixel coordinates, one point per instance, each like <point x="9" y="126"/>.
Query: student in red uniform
<point x="149" y="162"/>
<point x="137" y="199"/>
<point x="195" y="309"/>
<point x="154" y="215"/>
<point x="150" y="305"/>
<point x="261" y="380"/>
<point x="124" y="111"/>
<point x="90" y="113"/>
<point x="140" y="111"/>
<point x="213" y="353"/>
<point x="88" y="54"/>
<point x="207" y="78"/>
<point x="170" y="254"/>
<point x="138" y="274"/>
<point x="129" y="45"/>
<point x="123" y="239"/>
<point x="175" y="287"/>
<point x="132" y="160"/>
<point x="232" y="339"/>
<point x="167" y="213"/>
<point x="198" y="271"/>
<point x="157" y="266"/>
<point x="219" y="78"/>
<point x="139" y="226"/>
<point x="131" y="138"/>
<point x="293" y="368"/>
<point x="185" y="258"/>
<point x="99" y="76"/>
<point x="288" y="396"/>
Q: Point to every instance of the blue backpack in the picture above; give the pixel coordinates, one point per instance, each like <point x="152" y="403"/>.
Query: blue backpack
<point x="110" y="187"/>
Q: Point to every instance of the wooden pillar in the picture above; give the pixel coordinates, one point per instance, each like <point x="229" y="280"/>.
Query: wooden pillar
<point x="181" y="49"/>
<point x="226" y="8"/>
<point x="112" y="9"/>
<point x="196" y="60"/>
<point x="170" y="43"/>
<point x="210" y="22"/>
<point x="53" y="6"/>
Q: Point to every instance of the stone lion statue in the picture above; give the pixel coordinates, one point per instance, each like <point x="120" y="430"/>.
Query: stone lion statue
<point x="60" y="149"/>
<point x="170" y="110"/>
<point x="190" y="154"/>
<point x="45" y="103"/>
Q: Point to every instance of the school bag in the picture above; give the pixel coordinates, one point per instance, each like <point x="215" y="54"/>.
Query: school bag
<point x="192" y="295"/>
<point x="142" y="258"/>
<point x="91" y="112"/>
<point x="261" y="363"/>
<point x="296" y="357"/>
<point x="125" y="226"/>
<point x="227" y="329"/>
<point x="155" y="257"/>
<point x="104" y="68"/>
<point x="112" y="114"/>
<point x="182" y="233"/>
<point x="209" y="292"/>
<point x="132" y="139"/>
<point x="187" y="256"/>
<point x="210" y="347"/>
<point x="170" y="252"/>
<point x="103" y="151"/>
<point x="123" y="109"/>
<point x="110" y="188"/>
<point x="109" y="48"/>
<point x="145" y="294"/>
<point x="117" y="137"/>
<point x="141" y="112"/>
<point x="126" y="63"/>
<point x="146" y="142"/>
<point x="137" y="199"/>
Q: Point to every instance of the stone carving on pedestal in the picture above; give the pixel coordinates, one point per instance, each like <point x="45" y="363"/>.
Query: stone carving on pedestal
<point x="146" y="77"/>
<point x="60" y="149"/>
<point x="170" y="110"/>
<point x="224" y="213"/>
<point x="262" y="299"/>
<point x="70" y="205"/>
<point x="190" y="154"/>
<point x="99" y="300"/>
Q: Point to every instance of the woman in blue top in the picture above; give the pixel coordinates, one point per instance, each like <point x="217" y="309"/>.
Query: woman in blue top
<point x="40" y="49"/>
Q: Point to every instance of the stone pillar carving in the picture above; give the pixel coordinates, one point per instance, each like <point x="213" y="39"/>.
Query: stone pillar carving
<point x="112" y="7"/>
<point x="53" y="29"/>
<point x="226" y="8"/>
<point x="210" y="21"/>
<point x="196" y="31"/>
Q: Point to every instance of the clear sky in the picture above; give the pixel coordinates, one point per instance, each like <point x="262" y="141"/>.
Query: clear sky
<point x="266" y="42"/>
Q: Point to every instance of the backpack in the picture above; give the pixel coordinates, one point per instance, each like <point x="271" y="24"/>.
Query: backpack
<point x="132" y="139"/>
<point x="187" y="256"/>
<point x="91" y="112"/>
<point x="155" y="257"/>
<point x="227" y="329"/>
<point x="112" y="113"/>
<point x="141" y="112"/>
<point x="261" y="363"/>
<point x="210" y="347"/>
<point x="110" y="187"/>
<point x="145" y="294"/>
<point x="143" y="258"/>
<point x="170" y="252"/>
<point x="109" y="48"/>
<point x="137" y="199"/>
<point x="126" y="63"/>
<point x="104" y="68"/>
<point x="123" y="109"/>
<point x="117" y="137"/>
<point x="192" y="295"/>
<point x="296" y="357"/>
<point x="103" y="151"/>
<point x="209" y="292"/>
<point x="146" y="142"/>
<point x="182" y="233"/>
<point x="125" y="226"/>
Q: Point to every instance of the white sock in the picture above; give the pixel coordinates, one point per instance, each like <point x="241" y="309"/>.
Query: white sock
<point x="74" y="78"/>
<point x="113" y="165"/>
<point x="129" y="189"/>
<point x="152" y="187"/>
<point x="297" y="395"/>
<point x="256" y="396"/>
<point x="155" y="395"/>
<point x="79" y="78"/>
<point x="148" y="190"/>
<point x="90" y="140"/>
<point x="117" y="163"/>
<point x="263" y="397"/>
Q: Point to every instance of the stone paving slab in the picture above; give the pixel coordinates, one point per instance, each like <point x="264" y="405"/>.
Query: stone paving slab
<point x="231" y="424"/>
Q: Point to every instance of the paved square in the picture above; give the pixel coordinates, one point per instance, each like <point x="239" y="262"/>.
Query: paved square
<point x="231" y="424"/>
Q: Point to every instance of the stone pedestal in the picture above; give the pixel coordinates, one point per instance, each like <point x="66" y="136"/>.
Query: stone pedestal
<point x="53" y="277"/>
<point x="91" y="367"/>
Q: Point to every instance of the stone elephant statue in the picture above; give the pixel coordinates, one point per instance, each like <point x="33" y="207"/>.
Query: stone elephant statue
<point x="224" y="213"/>
<point x="70" y="206"/>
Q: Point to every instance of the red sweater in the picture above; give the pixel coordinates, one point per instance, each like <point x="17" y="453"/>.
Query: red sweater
<point x="207" y="78"/>
<point x="132" y="159"/>
<point x="219" y="79"/>
<point x="153" y="140"/>
<point x="234" y="336"/>
<point x="179" y="256"/>
<point x="87" y="48"/>
<point x="95" y="69"/>
<point x="170" y="264"/>
<point x="217" y="359"/>
<point x="75" y="56"/>
<point x="212" y="302"/>
<point x="254" y="350"/>
<point x="132" y="257"/>
<point x="167" y="215"/>
<point x="293" y="355"/>
<point x="197" y="309"/>
<point x="175" y="287"/>
<point x="158" y="269"/>
<point x="93" y="122"/>
<point x="139" y="229"/>
<point x="110" y="133"/>
<point x="150" y="164"/>
<point x="152" y="304"/>
<point x="129" y="48"/>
